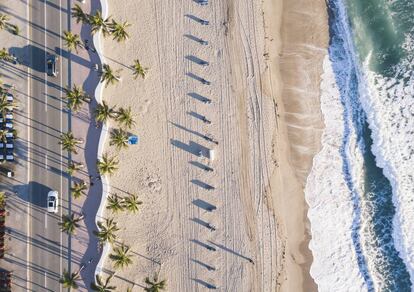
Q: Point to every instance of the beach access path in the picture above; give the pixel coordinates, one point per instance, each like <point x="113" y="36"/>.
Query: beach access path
<point x="16" y="188"/>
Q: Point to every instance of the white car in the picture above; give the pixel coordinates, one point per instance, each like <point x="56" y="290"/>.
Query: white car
<point x="9" y="97"/>
<point x="52" y="201"/>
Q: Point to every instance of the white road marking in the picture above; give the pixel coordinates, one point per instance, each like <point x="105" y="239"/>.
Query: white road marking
<point x="46" y="161"/>
<point x="46" y="220"/>
<point x="45" y="280"/>
<point x="61" y="151"/>
<point x="29" y="210"/>
<point x="45" y="48"/>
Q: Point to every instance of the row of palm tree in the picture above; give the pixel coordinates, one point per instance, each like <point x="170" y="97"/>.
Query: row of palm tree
<point x="130" y="203"/>
<point x="69" y="280"/>
<point x="106" y="165"/>
<point x="108" y="26"/>
<point x="123" y="116"/>
<point x="107" y="74"/>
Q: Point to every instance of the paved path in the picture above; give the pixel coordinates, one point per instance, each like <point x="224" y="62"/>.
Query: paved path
<point x="84" y="243"/>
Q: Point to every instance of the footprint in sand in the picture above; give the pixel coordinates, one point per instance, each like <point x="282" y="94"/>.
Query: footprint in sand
<point x="154" y="183"/>
<point x="143" y="108"/>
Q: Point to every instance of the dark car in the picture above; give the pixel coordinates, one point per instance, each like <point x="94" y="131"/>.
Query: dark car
<point x="51" y="65"/>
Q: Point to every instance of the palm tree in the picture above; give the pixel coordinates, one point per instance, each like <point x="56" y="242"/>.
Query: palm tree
<point x="107" y="165"/>
<point x="78" y="13"/>
<point x="69" y="142"/>
<point x="70" y="223"/>
<point x="138" y="69"/>
<point x="154" y="285"/>
<point x="3" y="137"/>
<point x="131" y="203"/>
<point x="78" y="189"/>
<point x="4" y="21"/>
<point x="106" y="231"/>
<point x="16" y="30"/>
<point x="115" y="203"/>
<point x="69" y="280"/>
<point x="5" y="56"/>
<point x="73" y="167"/>
<point x="2" y="200"/>
<point x="109" y="76"/>
<point x="76" y="97"/>
<point x="121" y="257"/>
<point x="98" y="23"/>
<point x="103" y="112"/>
<point x="73" y="41"/>
<point x="119" y="138"/>
<point x="102" y="286"/>
<point x="118" y="30"/>
<point x="125" y="117"/>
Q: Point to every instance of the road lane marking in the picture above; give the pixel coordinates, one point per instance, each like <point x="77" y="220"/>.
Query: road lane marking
<point x="29" y="210"/>
<point x="45" y="57"/>
<point x="45" y="220"/>
<point x="45" y="280"/>
<point x="61" y="121"/>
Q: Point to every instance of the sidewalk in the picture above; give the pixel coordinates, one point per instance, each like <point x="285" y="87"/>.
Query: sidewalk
<point x="84" y="242"/>
<point x="16" y="188"/>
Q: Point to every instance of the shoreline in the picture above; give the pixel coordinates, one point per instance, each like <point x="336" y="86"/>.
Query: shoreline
<point x="299" y="127"/>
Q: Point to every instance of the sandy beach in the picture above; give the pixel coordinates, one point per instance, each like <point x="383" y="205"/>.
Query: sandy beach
<point x="265" y="61"/>
<point x="304" y="38"/>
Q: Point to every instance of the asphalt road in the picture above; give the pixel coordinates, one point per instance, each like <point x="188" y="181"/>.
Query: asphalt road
<point x="48" y="248"/>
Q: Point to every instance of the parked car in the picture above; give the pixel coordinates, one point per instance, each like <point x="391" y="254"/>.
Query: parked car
<point x="52" y="201"/>
<point x="9" y="97"/>
<point x="8" y="145"/>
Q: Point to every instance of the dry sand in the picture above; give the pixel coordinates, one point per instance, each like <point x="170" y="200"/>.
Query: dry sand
<point x="261" y="160"/>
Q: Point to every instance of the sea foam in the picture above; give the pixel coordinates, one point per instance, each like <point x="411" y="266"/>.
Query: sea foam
<point x="389" y="104"/>
<point x="331" y="205"/>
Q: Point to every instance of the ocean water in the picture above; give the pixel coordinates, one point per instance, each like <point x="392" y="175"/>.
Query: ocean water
<point x="361" y="188"/>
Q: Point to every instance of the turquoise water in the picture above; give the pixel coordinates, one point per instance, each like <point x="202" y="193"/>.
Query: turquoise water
<point x="377" y="32"/>
<point x="381" y="28"/>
